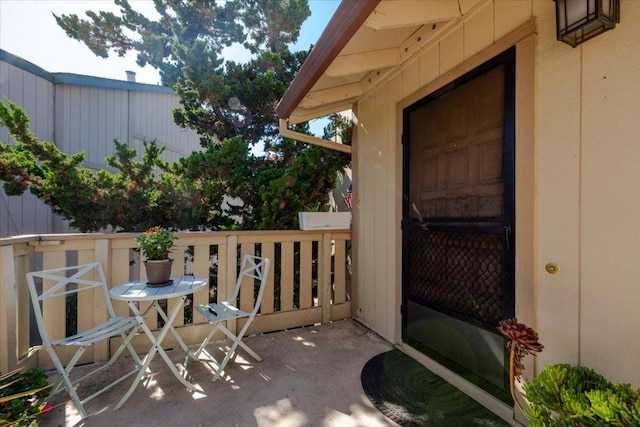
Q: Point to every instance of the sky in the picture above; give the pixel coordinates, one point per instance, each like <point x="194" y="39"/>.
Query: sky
<point x="28" y="30"/>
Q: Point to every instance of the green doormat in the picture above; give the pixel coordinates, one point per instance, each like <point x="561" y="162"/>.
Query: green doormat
<point x="411" y="395"/>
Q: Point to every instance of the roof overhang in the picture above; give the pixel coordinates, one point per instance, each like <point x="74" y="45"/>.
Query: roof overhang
<point x="365" y="41"/>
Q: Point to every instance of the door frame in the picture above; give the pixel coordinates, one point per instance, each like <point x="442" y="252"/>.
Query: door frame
<point x="506" y="58"/>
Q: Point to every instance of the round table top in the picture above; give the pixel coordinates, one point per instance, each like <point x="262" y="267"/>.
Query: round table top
<point x="139" y="290"/>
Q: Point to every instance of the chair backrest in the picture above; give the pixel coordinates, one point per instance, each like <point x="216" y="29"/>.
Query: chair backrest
<point x="253" y="267"/>
<point x="80" y="278"/>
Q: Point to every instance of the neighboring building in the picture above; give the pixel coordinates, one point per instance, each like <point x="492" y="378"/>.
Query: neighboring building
<point x="84" y="113"/>
<point x="496" y="173"/>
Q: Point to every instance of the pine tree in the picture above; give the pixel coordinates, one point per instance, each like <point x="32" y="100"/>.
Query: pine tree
<point x="231" y="106"/>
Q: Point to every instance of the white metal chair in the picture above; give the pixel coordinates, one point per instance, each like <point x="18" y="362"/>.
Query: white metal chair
<point x="254" y="268"/>
<point x="58" y="286"/>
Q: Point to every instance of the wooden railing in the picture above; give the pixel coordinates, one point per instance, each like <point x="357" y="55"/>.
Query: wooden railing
<point x="309" y="282"/>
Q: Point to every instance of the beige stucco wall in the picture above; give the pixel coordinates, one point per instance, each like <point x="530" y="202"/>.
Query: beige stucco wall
<point x="578" y="182"/>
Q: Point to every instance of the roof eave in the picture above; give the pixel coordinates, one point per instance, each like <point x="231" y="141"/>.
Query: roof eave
<point x="348" y="18"/>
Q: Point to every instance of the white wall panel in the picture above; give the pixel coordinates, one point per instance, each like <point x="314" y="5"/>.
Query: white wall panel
<point x="478" y="31"/>
<point x="4" y="89"/>
<point x="410" y="78"/>
<point x="101" y="151"/>
<point x="509" y="14"/>
<point x="91" y="146"/>
<point x="610" y="200"/>
<point x="382" y="248"/>
<point x="120" y="117"/>
<point x="367" y="285"/>
<point x="153" y="119"/>
<point x="451" y="49"/>
<point x="557" y="202"/>
<point x="393" y="247"/>
<point x="429" y="65"/>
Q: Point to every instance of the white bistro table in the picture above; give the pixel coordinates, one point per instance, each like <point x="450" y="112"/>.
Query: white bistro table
<point x="139" y="291"/>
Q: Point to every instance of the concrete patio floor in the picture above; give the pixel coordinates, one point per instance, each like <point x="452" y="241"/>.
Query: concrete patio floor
<point x="308" y="377"/>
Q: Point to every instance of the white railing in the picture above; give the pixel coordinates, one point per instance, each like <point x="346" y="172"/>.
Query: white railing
<point x="309" y="283"/>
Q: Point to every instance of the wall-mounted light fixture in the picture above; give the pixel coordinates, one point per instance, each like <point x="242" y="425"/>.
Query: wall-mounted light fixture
<point x="580" y="20"/>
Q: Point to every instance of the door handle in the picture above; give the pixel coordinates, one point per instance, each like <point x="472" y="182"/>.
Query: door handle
<point x="507" y="236"/>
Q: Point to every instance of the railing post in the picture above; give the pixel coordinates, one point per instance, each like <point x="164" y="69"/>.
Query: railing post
<point x="102" y="253"/>
<point x="324" y="276"/>
<point x="9" y="314"/>
<point x="14" y="297"/>
<point x="22" y="265"/>
<point x="231" y="266"/>
<point x="201" y="266"/>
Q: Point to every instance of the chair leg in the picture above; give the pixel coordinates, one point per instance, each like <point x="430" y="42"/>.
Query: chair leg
<point x="250" y="351"/>
<point x="237" y="341"/>
<point x="242" y="345"/>
<point x="66" y="381"/>
<point x="126" y="343"/>
<point x="206" y="341"/>
<point x="69" y="384"/>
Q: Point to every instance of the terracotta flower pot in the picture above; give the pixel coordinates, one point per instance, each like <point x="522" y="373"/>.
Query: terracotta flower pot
<point x="158" y="272"/>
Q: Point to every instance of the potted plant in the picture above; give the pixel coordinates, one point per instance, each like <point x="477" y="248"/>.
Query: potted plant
<point x="155" y="244"/>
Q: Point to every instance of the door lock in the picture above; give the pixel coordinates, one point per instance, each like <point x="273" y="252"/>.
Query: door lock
<point x="552" y="268"/>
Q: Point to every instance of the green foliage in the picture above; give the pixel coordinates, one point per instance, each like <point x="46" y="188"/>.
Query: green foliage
<point x="106" y="32"/>
<point x="22" y="394"/>
<point x="139" y="195"/>
<point x="185" y="195"/>
<point x="272" y="193"/>
<point x="235" y="99"/>
<point x="230" y="105"/>
<point x="156" y="243"/>
<point x="185" y="44"/>
<point x="564" y="395"/>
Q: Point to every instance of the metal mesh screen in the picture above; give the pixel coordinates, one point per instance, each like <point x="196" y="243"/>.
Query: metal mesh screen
<point x="457" y="271"/>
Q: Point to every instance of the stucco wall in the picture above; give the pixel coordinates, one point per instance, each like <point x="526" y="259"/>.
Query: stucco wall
<point x="578" y="182"/>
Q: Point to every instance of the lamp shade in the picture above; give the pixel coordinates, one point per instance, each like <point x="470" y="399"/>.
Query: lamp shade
<point x="580" y="20"/>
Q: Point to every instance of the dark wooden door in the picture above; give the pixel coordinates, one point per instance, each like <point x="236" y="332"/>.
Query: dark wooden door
<point x="458" y="221"/>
